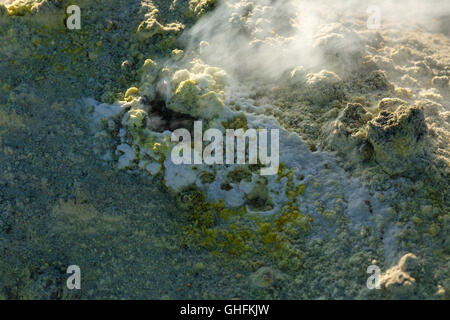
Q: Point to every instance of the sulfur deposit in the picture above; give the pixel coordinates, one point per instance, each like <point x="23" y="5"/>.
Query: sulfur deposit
<point x="87" y="116"/>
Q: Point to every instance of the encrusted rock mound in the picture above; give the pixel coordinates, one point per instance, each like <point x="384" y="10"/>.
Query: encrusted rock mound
<point x="400" y="280"/>
<point x="398" y="138"/>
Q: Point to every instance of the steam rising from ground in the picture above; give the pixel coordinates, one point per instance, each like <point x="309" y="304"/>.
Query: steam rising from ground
<point x="267" y="38"/>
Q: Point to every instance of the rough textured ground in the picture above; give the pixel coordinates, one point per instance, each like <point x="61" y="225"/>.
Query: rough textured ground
<point x="366" y="181"/>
